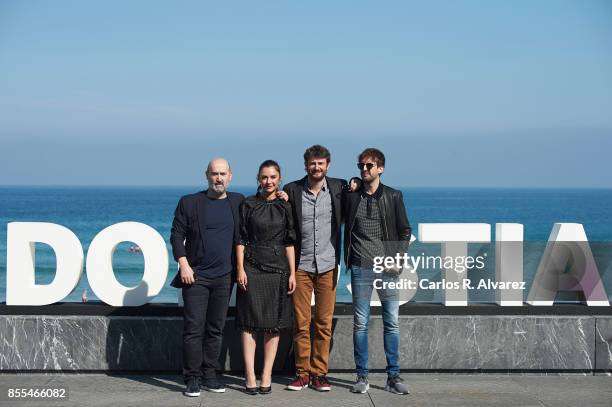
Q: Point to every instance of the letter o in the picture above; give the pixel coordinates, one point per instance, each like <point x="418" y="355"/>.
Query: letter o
<point x="100" y="273"/>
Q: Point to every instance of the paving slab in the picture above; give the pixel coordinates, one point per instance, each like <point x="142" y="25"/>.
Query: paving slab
<point x="437" y="390"/>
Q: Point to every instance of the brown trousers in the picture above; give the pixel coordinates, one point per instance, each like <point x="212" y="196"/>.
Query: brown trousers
<point x="307" y="361"/>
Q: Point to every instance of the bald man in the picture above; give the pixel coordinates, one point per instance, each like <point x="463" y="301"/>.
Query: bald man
<point x="204" y="233"/>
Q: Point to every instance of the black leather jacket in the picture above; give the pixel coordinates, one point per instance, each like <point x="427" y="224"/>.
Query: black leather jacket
<point x="396" y="228"/>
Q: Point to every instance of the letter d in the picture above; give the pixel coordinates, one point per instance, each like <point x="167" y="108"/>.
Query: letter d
<point x="21" y="288"/>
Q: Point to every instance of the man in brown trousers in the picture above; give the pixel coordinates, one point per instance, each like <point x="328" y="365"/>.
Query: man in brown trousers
<point x="317" y="202"/>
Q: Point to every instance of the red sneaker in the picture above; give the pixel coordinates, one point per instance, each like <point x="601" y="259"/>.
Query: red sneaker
<point x="320" y="383"/>
<point x="300" y="382"/>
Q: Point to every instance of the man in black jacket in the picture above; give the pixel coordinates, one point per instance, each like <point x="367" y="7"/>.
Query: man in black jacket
<point x="317" y="202"/>
<point x="204" y="233"/>
<point x="376" y="227"/>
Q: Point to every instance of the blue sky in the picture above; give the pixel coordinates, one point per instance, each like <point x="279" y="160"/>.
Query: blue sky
<point x="457" y="93"/>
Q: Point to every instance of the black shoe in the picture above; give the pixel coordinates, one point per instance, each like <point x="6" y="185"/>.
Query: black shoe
<point x="251" y="391"/>
<point x="265" y="390"/>
<point x="192" y="388"/>
<point x="213" y="385"/>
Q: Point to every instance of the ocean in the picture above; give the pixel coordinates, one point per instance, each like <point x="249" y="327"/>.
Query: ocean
<point x="88" y="210"/>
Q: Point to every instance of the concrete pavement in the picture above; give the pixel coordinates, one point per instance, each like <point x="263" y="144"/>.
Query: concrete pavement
<point x="427" y="390"/>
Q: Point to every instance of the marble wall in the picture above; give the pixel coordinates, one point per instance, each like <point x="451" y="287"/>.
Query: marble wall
<point x="603" y="344"/>
<point x="434" y="342"/>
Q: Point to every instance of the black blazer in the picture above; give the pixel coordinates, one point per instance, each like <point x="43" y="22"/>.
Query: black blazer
<point x="188" y="224"/>
<point x="338" y="189"/>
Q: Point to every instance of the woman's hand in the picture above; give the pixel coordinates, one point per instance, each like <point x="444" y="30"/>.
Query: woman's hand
<point x="291" y="283"/>
<point x="241" y="278"/>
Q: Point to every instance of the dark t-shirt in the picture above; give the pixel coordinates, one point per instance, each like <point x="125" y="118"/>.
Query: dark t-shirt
<point x="218" y="238"/>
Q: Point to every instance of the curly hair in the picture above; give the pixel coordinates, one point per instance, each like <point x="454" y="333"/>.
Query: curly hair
<point x="316" y="151"/>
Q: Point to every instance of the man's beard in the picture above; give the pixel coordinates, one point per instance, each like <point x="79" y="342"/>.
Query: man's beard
<point x="368" y="178"/>
<point x="217" y="188"/>
<point x="318" y="176"/>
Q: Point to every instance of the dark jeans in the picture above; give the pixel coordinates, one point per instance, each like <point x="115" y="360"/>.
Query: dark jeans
<point x="205" y="311"/>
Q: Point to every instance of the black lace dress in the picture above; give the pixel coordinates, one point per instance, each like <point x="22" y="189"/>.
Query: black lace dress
<point x="266" y="229"/>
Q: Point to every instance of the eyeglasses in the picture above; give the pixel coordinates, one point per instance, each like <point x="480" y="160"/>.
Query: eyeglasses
<point x="369" y="166"/>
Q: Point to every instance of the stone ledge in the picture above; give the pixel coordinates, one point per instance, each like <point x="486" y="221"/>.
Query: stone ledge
<point x="477" y="343"/>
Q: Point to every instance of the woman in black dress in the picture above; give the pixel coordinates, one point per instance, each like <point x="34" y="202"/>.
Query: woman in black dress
<point x="265" y="273"/>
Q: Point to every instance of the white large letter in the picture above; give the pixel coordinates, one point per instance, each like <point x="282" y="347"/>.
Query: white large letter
<point x="21" y="288"/>
<point x="454" y="238"/>
<point x="509" y="262"/>
<point x="100" y="264"/>
<point x="567" y="246"/>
